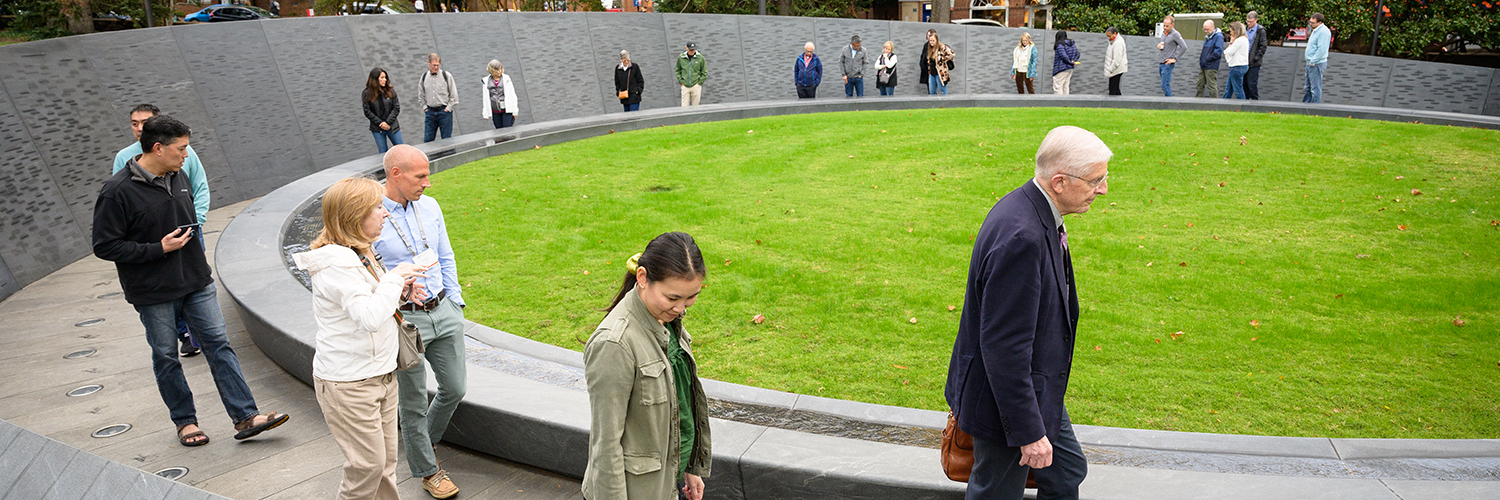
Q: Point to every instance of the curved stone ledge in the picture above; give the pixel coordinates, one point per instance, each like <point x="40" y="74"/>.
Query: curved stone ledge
<point x="546" y="425"/>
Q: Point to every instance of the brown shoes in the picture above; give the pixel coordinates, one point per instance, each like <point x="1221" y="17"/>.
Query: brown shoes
<point x="439" y="486"/>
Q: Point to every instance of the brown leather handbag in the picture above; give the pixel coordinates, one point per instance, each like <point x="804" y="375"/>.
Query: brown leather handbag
<point x="957" y="451"/>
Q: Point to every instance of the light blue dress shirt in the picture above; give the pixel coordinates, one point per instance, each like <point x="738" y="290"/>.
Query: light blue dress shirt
<point x="192" y="167"/>
<point x="394" y="251"/>
<point x="1317" y="45"/>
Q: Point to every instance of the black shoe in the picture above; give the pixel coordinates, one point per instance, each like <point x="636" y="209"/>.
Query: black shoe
<point x="188" y="350"/>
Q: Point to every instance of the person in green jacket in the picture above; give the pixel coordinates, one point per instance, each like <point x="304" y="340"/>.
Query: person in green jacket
<point x="648" y="432"/>
<point x="691" y="74"/>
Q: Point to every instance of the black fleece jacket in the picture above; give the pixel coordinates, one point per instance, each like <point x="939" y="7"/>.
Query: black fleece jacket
<point x="130" y="218"/>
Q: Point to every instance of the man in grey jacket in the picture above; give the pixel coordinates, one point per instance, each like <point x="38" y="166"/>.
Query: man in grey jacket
<point x="1172" y="47"/>
<point x="852" y="61"/>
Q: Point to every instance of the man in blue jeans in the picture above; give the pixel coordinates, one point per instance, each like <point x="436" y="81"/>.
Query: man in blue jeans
<point x="1316" y="54"/>
<point x="1171" y="47"/>
<point x="852" y="62"/>
<point x="437" y="95"/>
<point x="145" y="222"/>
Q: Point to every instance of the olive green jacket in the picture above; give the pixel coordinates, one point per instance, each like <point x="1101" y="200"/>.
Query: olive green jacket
<point x="633" y="430"/>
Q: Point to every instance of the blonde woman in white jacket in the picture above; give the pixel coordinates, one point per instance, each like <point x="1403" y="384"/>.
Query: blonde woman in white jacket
<point x="1237" y="56"/>
<point x="499" y="96"/>
<point x="354" y="302"/>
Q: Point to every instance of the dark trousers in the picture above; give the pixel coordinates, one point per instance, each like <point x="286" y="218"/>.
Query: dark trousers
<point x="996" y="475"/>
<point x="1252" y="81"/>
<point x="1024" y="84"/>
<point x="1114" y="84"/>
<point x="437" y="121"/>
<point x="806" y="92"/>
<point x="635" y="106"/>
<point x="502" y="119"/>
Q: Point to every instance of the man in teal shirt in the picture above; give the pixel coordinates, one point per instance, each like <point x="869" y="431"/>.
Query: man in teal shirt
<point x="194" y="171"/>
<point x="1318" y="38"/>
<point x="192" y="167"/>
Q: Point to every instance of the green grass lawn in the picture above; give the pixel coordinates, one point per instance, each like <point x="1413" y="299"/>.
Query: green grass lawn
<point x="1315" y="292"/>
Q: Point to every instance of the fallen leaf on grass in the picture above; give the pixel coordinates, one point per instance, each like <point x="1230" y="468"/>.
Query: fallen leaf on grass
<point x="1177" y="335"/>
<point x="1098" y="348"/>
<point x="1221" y="184"/>
<point x="1157" y="340"/>
<point x="1361" y="256"/>
<point x="1148" y="264"/>
<point x="913" y="320"/>
<point x="1255" y="323"/>
<point x="585" y="273"/>
<point x="1253" y="339"/>
<point x="1339" y="296"/>
<point x="1416" y="192"/>
<point x="1458" y="321"/>
<point x="1244" y="141"/>
<point x="1399" y="177"/>
<point x="1401" y="227"/>
<point x="950" y="308"/>
<point x="727" y="261"/>
<point x="1182" y="264"/>
<point x="758" y="319"/>
<point x="899" y="366"/>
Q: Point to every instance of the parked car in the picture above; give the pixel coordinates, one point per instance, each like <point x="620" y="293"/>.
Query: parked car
<point x="370" y="8"/>
<point x="979" y="22"/>
<point x="221" y="13"/>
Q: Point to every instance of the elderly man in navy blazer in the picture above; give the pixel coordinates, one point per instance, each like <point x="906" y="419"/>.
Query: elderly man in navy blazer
<point x="1011" y="359"/>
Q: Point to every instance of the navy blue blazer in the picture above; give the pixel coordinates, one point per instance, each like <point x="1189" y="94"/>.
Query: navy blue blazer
<point x="1014" y="349"/>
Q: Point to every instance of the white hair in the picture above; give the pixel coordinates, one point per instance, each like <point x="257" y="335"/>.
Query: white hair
<point x="1070" y="150"/>
<point x="808" y="46"/>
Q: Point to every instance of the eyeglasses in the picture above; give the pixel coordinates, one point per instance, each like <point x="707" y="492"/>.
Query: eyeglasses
<point x="1092" y="183"/>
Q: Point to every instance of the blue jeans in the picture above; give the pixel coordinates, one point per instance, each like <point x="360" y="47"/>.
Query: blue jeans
<point x="997" y="476"/>
<point x="855" y="86"/>
<point x="886" y="90"/>
<point x="380" y="139"/>
<point x="502" y="120"/>
<point x="632" y="107"/>
<point x="1166" y="78"/>
<point x="1236" y="86"/>
<point x="935" y="85"/>
<point x="202" y="311"/>
<point x="437" y="120"/>
<point x="1313" y="88"/>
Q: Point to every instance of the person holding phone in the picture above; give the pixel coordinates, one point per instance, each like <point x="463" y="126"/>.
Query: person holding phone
<point x="415" y="232"/>
<point x="648" y="430"/>
<point x="136" y="226"/>
<point x="354" y="364"/>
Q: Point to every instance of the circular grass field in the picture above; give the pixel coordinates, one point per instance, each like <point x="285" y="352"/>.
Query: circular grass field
<point x="1246" y="273"/>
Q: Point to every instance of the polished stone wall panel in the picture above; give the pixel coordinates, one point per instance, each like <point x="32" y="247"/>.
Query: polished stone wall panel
<point x="37" y="231"/>
<point x="1349" y="79"/>
<point x="718" y="39"/>
<point x="772" y="45"/>
<point x="468" y="43"/>
<point x="565" y="70"/>
<point x="994" y="55"/>
<point x="324" y="83"/>
<point x="71" y="123"/>
<point x="1492" y="103"/>
<point x="241" y="87"/>
<point x="1437" y="87"/>
<point x="1278" y="74"/>
<point x="119" y="58"/>
<point x="830" y="36"/>
<point x="645" y="36"/>
<point x="910" y="37"/>
<point x="400" y="45"/>
<point x="1088" y="75"/>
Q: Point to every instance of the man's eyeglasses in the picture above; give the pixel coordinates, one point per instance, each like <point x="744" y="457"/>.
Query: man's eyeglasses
<point x="1092" y="183"/>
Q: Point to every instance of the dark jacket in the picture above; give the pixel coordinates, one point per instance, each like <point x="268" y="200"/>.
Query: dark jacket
<point x="807" y="74"/>
<point x="130" y="218"/>
<point x="928" y="68"/>
<point x="382" y="110"/>
<point x="630" y="80"/>
<point x="1065" y="55"/>
<point x="1010" y="364"/>
<point x="1213" y="51"/>
<point x="1258" y="45"/>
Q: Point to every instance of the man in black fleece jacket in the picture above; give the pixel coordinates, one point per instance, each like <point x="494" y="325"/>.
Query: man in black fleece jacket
<point x="145" y="222"/>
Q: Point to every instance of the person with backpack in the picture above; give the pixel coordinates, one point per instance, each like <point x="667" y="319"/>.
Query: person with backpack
<point x="436" y="94"/>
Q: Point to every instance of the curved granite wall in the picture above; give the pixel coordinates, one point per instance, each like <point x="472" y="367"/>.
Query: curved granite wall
<point x="273" y="101"/>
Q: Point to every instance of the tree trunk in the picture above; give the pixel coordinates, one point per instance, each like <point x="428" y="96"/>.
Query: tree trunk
<point x="80" y="16"/>
<point x="784" y="7"/>
<point x="941" y="11"/>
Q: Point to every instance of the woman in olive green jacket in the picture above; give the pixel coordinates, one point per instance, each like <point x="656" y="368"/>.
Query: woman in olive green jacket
<point x="648" y="435"/>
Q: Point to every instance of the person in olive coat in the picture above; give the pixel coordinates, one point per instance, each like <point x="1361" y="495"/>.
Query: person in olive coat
<point x="381" y="108"/>
<point x="628" y="83"/>
<point x="648" y="431"/>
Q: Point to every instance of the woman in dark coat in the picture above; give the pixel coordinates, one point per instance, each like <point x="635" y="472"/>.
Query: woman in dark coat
<point x="629" y="83"/>
<point x="381" y="108"/>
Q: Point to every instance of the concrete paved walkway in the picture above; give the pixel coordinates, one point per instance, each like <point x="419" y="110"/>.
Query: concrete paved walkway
<point x="296" y="461"/>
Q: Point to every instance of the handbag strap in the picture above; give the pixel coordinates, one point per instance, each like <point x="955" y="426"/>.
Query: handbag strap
<point x="371" y="268"/>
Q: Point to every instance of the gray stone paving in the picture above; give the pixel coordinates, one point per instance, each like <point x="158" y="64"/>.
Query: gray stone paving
<point x="296" y="461"/>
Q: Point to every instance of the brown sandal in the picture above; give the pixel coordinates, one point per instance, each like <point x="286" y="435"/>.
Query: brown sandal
<point x="189" y="439"/>
<point x="247" y="430"/>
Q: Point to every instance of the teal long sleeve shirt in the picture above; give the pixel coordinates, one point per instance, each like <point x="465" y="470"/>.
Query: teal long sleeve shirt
<point x="1317" y="45"/>
<point x="192" y="167"/>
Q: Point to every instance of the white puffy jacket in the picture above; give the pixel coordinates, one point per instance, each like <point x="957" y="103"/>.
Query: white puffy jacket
<point x="355" y="312"/>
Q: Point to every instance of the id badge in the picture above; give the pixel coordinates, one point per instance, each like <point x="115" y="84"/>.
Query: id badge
<point x="425" y="259"/>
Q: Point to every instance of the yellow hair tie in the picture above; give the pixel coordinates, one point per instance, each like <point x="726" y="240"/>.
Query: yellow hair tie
<point x="633" y="264"/>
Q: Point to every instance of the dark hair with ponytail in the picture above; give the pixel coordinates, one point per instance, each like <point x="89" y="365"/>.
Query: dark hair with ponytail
<point x="671" y="255"/>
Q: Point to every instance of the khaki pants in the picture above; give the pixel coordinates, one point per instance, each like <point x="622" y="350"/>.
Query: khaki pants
<point x="1061" y="82"/>
<point x="361" y="416"/>
<point x="690" y="95"/>
<point x="1208" y="83"/>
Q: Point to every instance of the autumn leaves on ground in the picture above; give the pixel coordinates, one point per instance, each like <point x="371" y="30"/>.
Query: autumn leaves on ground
<point x="1247" y="273"/>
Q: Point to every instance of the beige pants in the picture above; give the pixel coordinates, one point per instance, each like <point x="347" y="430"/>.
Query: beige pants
<point x="690" y="95"/>
<point x="362" y="418"/>
<point x="1061" y="81"/>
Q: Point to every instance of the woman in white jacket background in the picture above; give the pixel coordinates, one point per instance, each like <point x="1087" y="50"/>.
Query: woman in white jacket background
<point x="1237" y="56"/>
<point x="354" y="302"/>
<point x="499" y="96"/>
